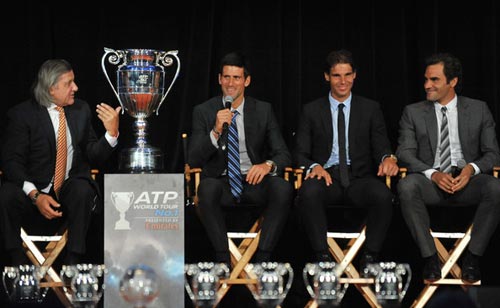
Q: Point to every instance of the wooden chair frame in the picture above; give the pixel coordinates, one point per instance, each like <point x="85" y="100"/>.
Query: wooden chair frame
<point x="449" y="258"/>
<point x="345" y="256"/>
<point x="242" y="253"/>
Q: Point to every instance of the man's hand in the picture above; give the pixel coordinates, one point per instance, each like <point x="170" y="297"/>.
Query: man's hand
<point x="223" y="116"/>
<point x="388" y="167"/>
<point x="257" y="173"/>
<point x="450" y="184"/>
<point x="110" y="118"/>
<point x="46" y="204"/>
<point x="320" y="173"/>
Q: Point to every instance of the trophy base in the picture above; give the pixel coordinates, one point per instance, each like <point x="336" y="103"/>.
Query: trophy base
<point x="141" y="160"/>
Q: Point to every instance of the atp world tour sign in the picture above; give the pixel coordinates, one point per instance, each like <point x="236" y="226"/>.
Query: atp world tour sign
<point x="144" y="229"/>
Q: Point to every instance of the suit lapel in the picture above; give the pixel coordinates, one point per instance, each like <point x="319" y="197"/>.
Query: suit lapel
<point x="354" y="121"/>
<point x="47" y="125"/>
<point x="463" y="119"/>
<point x="250" y="122"/>
<point x="325" y="114"/>
<point x="431" y="124"/>
<point x="71" y="120"/>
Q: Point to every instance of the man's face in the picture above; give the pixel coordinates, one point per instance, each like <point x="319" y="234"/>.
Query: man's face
<point x="341" y="79"/>
<point x="436" y="87"/>
<point x="64" y="90"/>
<point x="233" y="81"/>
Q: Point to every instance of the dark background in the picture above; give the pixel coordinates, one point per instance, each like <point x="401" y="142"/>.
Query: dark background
<point x="287" y="42"/>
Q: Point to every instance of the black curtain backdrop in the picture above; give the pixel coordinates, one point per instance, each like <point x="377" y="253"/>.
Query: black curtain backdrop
<point x="286" y="41"/>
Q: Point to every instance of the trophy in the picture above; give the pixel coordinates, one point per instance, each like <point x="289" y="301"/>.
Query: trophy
<point x="140" y="79"/>
<point x="391" y="281"/>
<point x="202" y="281"/>
<point x="22" y="283"/>
<point x="140" y="285"/>
<point x="322" y="283"/>
<point x="122" y="202"/>
<point x="83" y="284"/>
<point x="273" y="283"/>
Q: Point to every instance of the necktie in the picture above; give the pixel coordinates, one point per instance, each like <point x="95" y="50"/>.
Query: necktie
<point x="445" y="157"/>
<point x="60" y="171"/>
<point x="344" y="174"/>
<point x="233" y="159"/>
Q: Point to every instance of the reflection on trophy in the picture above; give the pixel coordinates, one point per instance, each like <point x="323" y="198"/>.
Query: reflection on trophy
<point x="22" y="283"/>
<point x="122" y="202"/>
<point x="391" y="281"/>
<point x="140" y="285"/>
<point x="322" y="283"/>
<point x="83" y="284"/>
<point x="202" y="280"/>
<point x="273" y="283"/>
<point x="140" y="89"/>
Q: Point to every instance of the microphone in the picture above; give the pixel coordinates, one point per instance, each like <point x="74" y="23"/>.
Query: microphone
<point x="228" y="100"/>
<point x="461" y="163"/>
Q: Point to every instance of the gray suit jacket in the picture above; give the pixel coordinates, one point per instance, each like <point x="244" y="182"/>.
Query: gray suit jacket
<point x="418" y="135"/>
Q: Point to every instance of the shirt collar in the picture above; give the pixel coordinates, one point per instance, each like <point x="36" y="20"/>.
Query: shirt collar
<point x="450" y="106"/>
<point x="335" y="103"/>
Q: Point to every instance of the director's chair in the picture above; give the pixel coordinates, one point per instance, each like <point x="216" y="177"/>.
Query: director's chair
<point x="450" y="270"/>
<point x="352" y="242"/>
<point x="46" y="256"/>
<point x="242" y="253"/>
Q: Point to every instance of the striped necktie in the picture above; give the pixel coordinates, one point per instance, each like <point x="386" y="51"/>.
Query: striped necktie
<point x="233" y="159"/>
<point x="445" y="158"/>
<point x="62" y="149"/>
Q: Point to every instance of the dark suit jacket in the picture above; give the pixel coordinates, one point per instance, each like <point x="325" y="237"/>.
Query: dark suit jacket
<point x="262" y="135"/>
<point x="368" y="141"/>
<point x="29" y="148"/>
<point x="418" y="134"/>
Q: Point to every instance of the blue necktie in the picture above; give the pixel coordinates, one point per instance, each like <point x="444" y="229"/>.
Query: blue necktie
<point x="233" y="159"/>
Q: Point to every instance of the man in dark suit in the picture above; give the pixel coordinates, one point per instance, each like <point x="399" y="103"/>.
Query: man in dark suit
<point x="27" y="194"/>
<point x="449" y="145"/>
<point x="367" y="154"/>
<point x="262" y="155"/>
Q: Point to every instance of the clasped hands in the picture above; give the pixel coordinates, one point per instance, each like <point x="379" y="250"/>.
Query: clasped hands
<point x="450" y="184"/>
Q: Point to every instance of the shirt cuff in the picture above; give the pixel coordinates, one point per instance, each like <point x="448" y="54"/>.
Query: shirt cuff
<point x="113" y="141"/>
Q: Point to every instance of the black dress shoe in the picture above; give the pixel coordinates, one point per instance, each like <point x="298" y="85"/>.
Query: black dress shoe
<point x="470" y="268"/>
<point x="432" y="269"/>
<point x="367" y="257"/>
<point x="323" y="257"/>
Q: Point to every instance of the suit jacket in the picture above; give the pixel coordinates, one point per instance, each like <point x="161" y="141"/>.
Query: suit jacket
<point x="368" y="141"/>
<point x="262" y="136"/>
<point x="418" y="135"/>
<point x="29" y="148"/>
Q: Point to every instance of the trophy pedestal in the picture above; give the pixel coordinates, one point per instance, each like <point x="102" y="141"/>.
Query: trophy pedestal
<point x="144" y="159"/>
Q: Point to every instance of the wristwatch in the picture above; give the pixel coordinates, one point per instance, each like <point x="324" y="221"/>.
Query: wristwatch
<point x="273" y="166"/>
<point x="35" y="197"/>
<point x="394" y="157"/>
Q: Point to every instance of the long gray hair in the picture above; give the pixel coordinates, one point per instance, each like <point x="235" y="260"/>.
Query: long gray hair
<point x="48" y="75"/>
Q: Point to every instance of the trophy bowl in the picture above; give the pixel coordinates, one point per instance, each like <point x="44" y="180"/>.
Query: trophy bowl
<point x="22" y="283"/>
<point x="203" y="280"/>
<point x="140" y="89"/>
<point x="322" y="283"/>
<point x="273" y="283"/>
<point x="140" y="285"/>
<point x="83" y="284"/>
<point x="391" y="281"/>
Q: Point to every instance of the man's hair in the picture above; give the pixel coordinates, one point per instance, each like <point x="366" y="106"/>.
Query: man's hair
<point x="452" y="67"/>
<point x="48" y="75"/>
<point x="235" y="59"/>
<point x="339" y="56"/>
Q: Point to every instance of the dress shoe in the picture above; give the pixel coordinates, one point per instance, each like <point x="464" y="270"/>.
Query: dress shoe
<point x="323" y="257"/>
<point x="470" y="268"/>
<point x="432" y="269"/>
<point x="367" y="257"/>
<point x="72" y="258"/>
<point x="261" y="256"/>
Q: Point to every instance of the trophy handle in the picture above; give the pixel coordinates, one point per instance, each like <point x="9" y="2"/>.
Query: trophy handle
<point x="166" y="60"/>
<point x="115" y="57"/>
<point x="8" y="271"/>
<point x="405" y="270"/>
<point x="190" y="270"/>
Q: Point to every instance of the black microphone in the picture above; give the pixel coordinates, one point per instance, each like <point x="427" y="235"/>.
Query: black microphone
<point x="228" y="100"/>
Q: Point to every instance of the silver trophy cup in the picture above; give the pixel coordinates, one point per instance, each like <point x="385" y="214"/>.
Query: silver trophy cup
<point x="391" y="281"/>
<point x="140" y="285"/>
<point x="322" y="283"/>
<point x="140" y="89"/>
<point x="83" y="284"/>
<point x="202" y="281"/>
<point x="22" y="283"/>
<point x="273" y="283"/>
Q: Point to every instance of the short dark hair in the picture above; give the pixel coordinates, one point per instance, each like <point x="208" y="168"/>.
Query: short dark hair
<point x="452" y="67"/>
<point x="339" y="56"/>
<point x="235" y="59"/>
